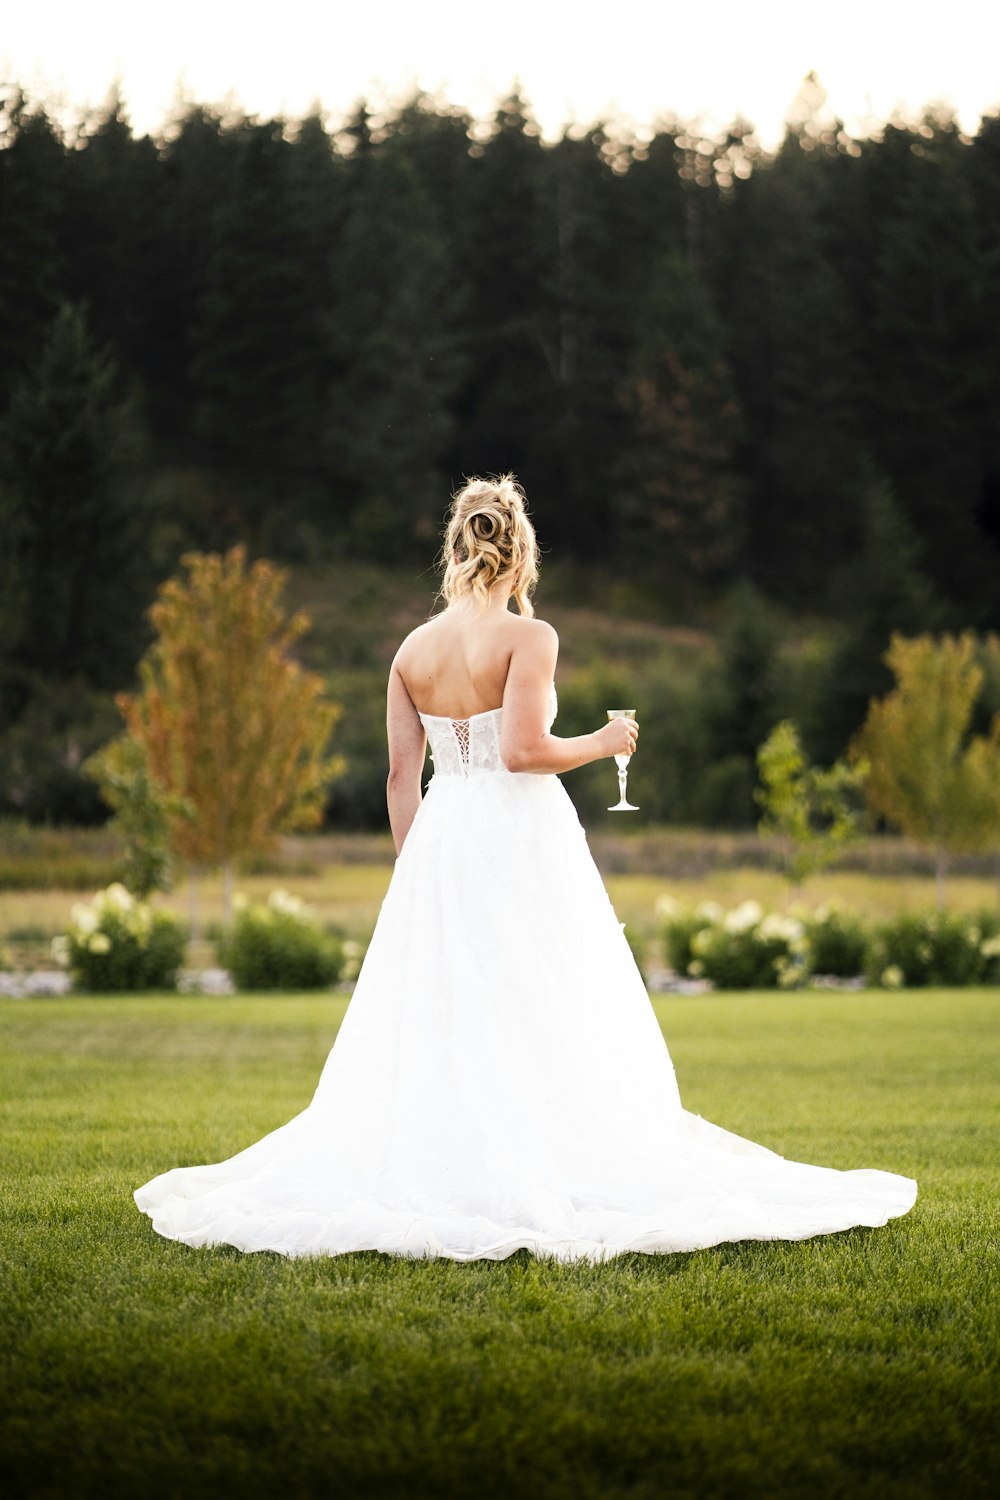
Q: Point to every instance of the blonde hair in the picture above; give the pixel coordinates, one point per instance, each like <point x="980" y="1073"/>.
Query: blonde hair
<point x="489" y="540"/>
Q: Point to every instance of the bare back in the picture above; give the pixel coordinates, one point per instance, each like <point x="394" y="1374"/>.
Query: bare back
<point x="469" y="661"/>
<point x="457" y="664"/>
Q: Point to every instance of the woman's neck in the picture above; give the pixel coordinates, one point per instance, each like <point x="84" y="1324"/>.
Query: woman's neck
<point x="497" y="603"/>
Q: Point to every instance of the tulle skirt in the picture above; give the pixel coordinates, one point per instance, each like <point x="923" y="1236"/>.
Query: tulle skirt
<point x="500" y="1080"/>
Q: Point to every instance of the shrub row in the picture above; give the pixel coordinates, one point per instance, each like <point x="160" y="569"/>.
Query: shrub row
<point x="748" y="948"/>
<point x="117" y="943"/>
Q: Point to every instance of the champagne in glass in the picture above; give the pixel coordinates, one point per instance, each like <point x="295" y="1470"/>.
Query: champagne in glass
<point x="621" y="761"/>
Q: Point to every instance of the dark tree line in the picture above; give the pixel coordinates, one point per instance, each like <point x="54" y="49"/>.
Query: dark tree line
<point x="708" y="364"/>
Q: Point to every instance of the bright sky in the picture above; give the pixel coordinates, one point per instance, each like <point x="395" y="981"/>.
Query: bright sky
<point x="635" y="60"/>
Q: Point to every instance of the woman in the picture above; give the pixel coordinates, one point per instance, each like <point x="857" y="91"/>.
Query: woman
<point x="499" y="1080"/>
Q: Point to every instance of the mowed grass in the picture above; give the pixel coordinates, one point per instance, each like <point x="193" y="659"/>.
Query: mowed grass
<point x="858" y="1364"/>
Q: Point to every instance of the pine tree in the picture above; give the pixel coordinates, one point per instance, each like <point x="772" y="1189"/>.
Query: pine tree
<point x="509" y="405"/>
<point x="32" y="185"/>
<point x="681" y="501"/>
<point x="109" y="232"/>
<point x="795" y="355"/>
<point x="70" y="458"/>
<point x="929" y="354"/>
<point x="75" y="567"/>
<point x="395" y="358"/>
<point x="985" y="180"/>
<point x="881" y="590"/>
<point x="195" y="167"/>
<point x="258" y="348"/>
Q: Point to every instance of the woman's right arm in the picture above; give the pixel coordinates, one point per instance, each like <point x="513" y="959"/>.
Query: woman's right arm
<point x="525" y="741"/>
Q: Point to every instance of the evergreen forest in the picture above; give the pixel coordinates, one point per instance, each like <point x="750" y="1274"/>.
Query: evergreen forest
<point x="757" y="391"/>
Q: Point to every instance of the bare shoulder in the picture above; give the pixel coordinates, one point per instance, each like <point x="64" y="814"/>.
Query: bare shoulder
<point x="535" y="630"/>
<point x="412" y="642"/>
<point x="532" y="638"/>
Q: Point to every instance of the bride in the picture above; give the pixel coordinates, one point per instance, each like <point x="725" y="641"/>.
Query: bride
<point x="500" y="1080"/>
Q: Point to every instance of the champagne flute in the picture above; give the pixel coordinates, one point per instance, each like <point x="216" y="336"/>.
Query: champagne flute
<point x="621" y="761"/>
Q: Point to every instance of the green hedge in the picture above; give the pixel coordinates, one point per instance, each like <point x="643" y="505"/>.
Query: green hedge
<point x="279" y="945"/>
<point x="748" y="948"/>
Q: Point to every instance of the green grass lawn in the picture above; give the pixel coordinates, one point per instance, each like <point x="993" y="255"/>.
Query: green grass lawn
<point x="860" y="1364"/>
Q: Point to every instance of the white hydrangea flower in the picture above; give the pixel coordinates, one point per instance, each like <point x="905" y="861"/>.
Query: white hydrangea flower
<point x="972" y="936"/>
<point x="702" y="940"/>
<point x="84" y="919"/>
<point x="99" y="942"/>
<point x="116" y="898"/>
<point x="696" y="968"/>
<point x="991" y="947"/>
<point x="285" y="902"/>
<point x="140" y="920"/>
<point x="746" y="916"/>
<point x="893" y="977"/>
<point x="710" y="910"/>
<point x="785" y="929"/>
<point x="59" y="948"/>
<point x="667" y="906"/>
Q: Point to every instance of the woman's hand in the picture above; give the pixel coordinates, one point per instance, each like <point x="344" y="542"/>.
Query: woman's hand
<point x="617" y="737"/>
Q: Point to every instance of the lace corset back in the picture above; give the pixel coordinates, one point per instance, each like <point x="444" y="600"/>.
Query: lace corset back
<point x="470" y="747"/>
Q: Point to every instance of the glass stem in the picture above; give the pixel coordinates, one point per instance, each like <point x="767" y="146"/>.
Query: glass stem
<point x="622" y="780"/>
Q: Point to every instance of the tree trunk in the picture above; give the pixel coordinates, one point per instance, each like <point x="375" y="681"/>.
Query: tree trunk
<point x="940" y="871"/>
<point x="193" y="903"/>
<point x="227" y="892"/>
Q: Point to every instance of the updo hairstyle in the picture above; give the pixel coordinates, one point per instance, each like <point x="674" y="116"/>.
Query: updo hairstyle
<point x="489" y="541"/>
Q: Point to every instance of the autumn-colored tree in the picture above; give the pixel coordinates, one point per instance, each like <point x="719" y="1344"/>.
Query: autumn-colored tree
<point x="928" y="775"/>
<point x="813" y="810"/>
<point x="228" y="720"/>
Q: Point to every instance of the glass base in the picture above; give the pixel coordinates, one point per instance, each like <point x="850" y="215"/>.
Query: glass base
<point x="623" y="806"/>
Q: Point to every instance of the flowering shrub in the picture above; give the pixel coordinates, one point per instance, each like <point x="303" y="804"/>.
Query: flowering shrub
<point x="748" y="949"/>
<point x="742" y="949"/>
<point x="837" y="941"/>
<point x="927" y="948"/>
<point x="280" y="945"/>
<point x="680" y="927"/>
<point x="118" y="943"/>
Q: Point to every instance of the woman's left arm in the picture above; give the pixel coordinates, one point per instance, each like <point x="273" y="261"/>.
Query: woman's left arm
<point x="407" y="748"/>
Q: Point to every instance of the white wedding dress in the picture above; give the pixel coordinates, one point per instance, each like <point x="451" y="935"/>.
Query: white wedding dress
<point x="500" y="1080"/>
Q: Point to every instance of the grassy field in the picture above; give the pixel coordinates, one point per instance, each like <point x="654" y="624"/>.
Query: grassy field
<point x="860" y="1364"/>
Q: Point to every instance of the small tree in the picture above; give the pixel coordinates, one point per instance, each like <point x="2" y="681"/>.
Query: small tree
<point x="229" y="723"/>
<point x="928" y="775"/>
<point x="142" y="813"/>
<point x="814" y="812"/>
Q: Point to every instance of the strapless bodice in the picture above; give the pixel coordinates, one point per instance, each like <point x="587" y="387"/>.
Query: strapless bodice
<point x="470" y="747"/>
